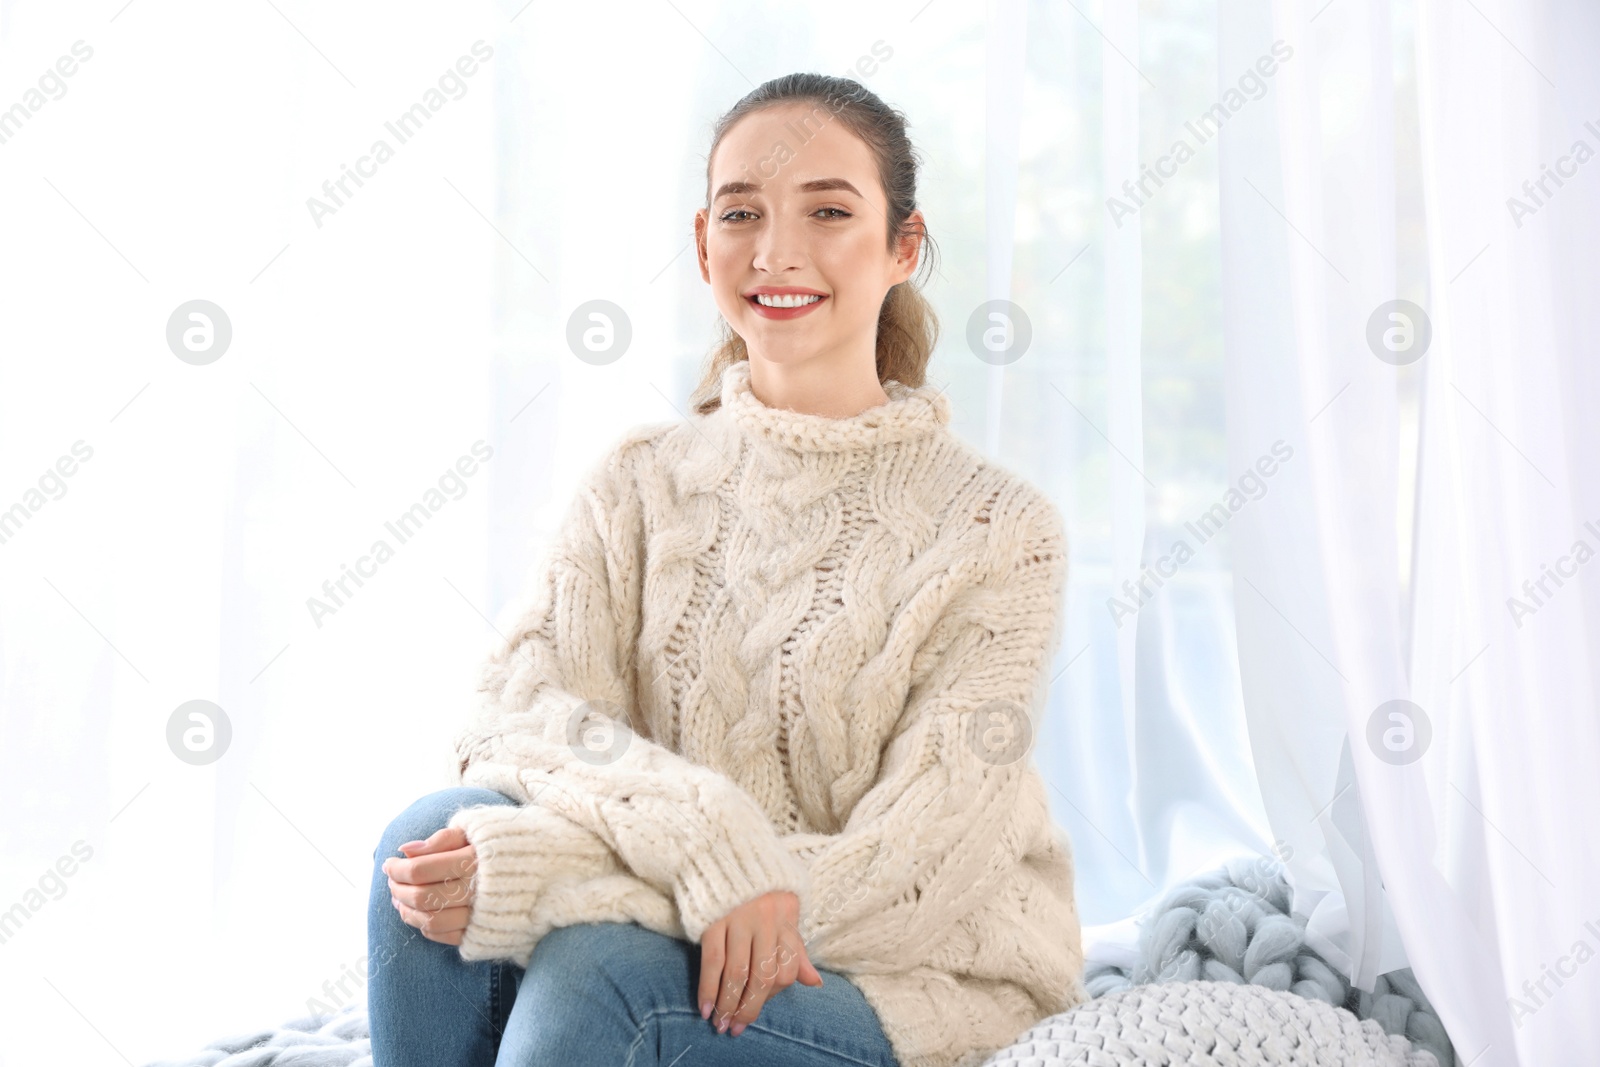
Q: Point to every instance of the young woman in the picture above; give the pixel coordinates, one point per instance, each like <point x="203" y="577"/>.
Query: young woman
<point x="751" y="779"/>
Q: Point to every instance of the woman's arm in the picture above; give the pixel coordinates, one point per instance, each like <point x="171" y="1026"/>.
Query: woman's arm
<point x="957" y="828"/>
<point x="684" y="829"/>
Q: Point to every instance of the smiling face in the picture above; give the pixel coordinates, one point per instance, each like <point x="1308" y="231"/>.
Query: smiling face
<point x="805" y="223"/>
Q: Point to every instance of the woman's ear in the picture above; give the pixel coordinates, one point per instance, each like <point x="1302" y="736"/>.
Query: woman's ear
<point x="909" y="249"/>
<point x="701" y="219"/>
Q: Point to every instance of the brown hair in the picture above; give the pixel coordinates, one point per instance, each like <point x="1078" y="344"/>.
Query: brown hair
<point x="907" y="326"/>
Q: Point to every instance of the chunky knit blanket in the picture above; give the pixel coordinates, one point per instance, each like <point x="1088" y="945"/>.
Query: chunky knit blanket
<point x="1176" y="1024"/>
<point x="338" y="1040"/>
<point x="1233" y="925"/>
<point x="1266" y="999"/>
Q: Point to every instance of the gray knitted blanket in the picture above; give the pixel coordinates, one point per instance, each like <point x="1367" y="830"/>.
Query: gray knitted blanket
<point x="1232" y="926"/>
<point x="1224" y="978"/>
<point x="338" y="1040"/>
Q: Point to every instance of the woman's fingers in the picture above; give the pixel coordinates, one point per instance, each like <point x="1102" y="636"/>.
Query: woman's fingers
<point x="790" y="953"/>
<point x="445" y="839"/>
<point x="735" y="973"/>
<point x="713" y="953"/>
<point x="808" y="972"/>
<point x="446" y="925"/>
<point x="764" y="967"/>
<point x="438" y="884"/>
<point x="432" y="867"/>
<point x="452" y="892"/>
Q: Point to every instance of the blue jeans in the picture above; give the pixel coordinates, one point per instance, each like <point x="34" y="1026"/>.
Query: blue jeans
<point x="611" y="993"/>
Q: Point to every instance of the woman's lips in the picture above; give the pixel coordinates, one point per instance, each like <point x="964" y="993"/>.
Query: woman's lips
<point x="784" y="313"/>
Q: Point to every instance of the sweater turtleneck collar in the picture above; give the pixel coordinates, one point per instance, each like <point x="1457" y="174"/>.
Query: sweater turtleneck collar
<point x="910" y="413"/>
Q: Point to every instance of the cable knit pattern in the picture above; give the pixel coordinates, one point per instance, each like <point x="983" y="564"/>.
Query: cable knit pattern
<point x="775" y="650"/>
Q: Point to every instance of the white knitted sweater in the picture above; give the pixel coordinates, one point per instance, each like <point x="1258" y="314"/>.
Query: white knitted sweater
<point x="776" y="650"/>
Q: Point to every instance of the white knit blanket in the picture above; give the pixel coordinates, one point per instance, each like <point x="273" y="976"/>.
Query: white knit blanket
<point x="1209" y="1024"/>
<point x="1168" y="1024"/>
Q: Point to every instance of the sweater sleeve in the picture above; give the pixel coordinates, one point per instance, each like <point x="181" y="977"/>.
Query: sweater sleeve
<point x="957" y="819"/>
<point x="554" y="731"/>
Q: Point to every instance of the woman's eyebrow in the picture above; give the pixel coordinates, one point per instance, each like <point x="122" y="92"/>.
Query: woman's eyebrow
<point x="815" y="185"/>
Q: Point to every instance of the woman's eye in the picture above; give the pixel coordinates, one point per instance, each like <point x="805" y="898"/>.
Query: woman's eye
<point x="728" y="216"/>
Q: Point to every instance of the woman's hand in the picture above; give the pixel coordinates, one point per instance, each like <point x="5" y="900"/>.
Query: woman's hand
<point x="750" y="954"/>
<point x="432" y="887"/>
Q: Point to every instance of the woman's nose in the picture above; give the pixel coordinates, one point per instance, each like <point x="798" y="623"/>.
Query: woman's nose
<point x="779" y="245"/>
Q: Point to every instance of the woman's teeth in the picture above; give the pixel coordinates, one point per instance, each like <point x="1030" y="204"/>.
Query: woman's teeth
<point x="785" y="301"/>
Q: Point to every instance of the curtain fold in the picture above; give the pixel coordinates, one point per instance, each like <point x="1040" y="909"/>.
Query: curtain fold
<point x="1121" y="83"/>
<point x="1005" y="40"/>
<point x="1161" y="760"/>
<point x="1497" y="900"/>
<point x="1307" y="200"/>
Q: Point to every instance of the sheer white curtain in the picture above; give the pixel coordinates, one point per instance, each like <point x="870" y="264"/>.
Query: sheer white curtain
<point x="1309" y="251"/>
<point x="1449" y="832"/>
<point x="1146" y="751"/>
<point x="176" y="563"/>
<point x="1499" y="902"/>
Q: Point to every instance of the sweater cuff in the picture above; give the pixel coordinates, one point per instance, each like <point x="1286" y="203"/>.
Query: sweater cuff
<point x="732" y="867"/>
<point x="520" y="852"/>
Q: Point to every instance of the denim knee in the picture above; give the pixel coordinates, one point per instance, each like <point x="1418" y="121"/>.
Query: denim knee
<point x="429" y="814"/>
<point x="622" y="962"/>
